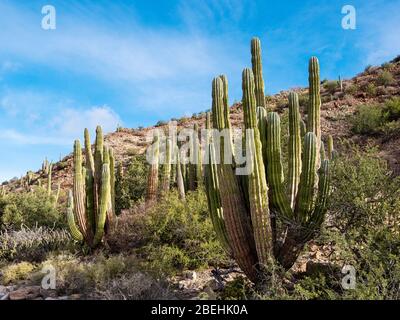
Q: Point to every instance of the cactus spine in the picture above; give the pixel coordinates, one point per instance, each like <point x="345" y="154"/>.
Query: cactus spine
<point x="299" y="205"/>
<point x="91" y="205"/>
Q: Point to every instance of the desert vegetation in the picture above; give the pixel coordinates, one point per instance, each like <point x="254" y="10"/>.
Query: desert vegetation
<point x="320" y="204"/>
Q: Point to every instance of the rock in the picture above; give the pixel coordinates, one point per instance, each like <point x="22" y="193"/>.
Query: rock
<point x="192" y="275"/>
<point x="214" y="285"/>
<point x="50" y="298"/>
<point x="63" y="298"/>
<point x="48" y="293"/>
<point x="5" y="297"/>
<point x="3" y="290"/>
<point x="26" y="293"/>
<point x="75" y="296"/>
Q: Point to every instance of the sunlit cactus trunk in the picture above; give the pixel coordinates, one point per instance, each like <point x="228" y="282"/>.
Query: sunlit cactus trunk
<point x="90" y="208"/>
<point x="166" y="167"/>
<point x="257" y="71"/>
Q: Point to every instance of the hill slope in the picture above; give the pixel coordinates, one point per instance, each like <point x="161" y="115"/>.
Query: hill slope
<point x="337" y="105"/>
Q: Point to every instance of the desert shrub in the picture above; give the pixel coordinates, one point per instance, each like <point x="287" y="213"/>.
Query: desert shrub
<point x="15" y="272"/>
<point x="367" y="119"/>
<point x="132" y="186"/>
<point x="351" y="89"/>
<point x="303" y="101"/>
<point x="331" y="86"/>
<point x="365" y="192"/>
<point x="180" y="235"/>
<point x="392" y="109"/>
<point x="387" y="65"/>
<point x="84" y="275"/>
<point x="30" y="209"/>
<point x="32" y="244"/>
<point x="370" y="89"/>
<point x="384" y="78"/>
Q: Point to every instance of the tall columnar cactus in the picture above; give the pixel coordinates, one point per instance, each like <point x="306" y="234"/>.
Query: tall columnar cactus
<point x="49" y="174"/>
<point x="299" y="202"/>
<point x="90" y="210"/>
<point x="180" y="183"/>
<point x="195" y="177"/>
<point x="166" y="167"/>
<point x="152" y="178"/>
<point x="257" y="72"/>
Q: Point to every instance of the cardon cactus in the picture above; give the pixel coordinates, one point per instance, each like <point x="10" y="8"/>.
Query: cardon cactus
<point x="152" y="177"/>
<point x="257" y="72"/>
<point x="263" y="217"/>
<point x="90" y="209"/>
<point x="166" y="167"/>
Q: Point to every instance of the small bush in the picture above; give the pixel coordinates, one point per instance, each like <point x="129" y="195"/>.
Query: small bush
<point x="368" y="119"/>
<point x="351" y="89"/>
<point x="180" y="235"/>
<point x="387" y="65"/>
<point x="370" y="89"/>
<point x="30" y="209"/>
<point x="392" y="109"/>
<point x="161" y="123"/>
<point x="385" y="78"/>
<point x="16" y="272"/>
<point x="131" y="186"/>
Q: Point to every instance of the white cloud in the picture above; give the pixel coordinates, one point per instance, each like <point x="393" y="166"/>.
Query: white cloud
<point x="71" y="122"/>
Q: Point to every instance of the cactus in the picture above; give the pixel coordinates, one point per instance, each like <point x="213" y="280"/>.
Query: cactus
<point x="152" y="178"/>
<point x="257" y="72"/>
<point x="195" y="174"/>
<point x="166" y="167"/>
<point x="49" y="174"/>
<point x="243" y="210"/>
<point x="180" y="183"/>
<point x="90" y="210"/>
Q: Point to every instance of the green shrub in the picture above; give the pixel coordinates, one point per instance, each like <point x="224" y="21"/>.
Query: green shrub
<point x="385" y="78"/>
<point x="392" y="109"/>
<point x="179" y="234"/>
<point x="161" y="123"/>
<point x="132" y="187"/>
<point x="351" y="89"/>
<point x="370" y="89"/>
<point x="17" y="271"/>
<point x="367" y="119"/>
<point x="365" y="193"/>
<point x="30" y="209"/>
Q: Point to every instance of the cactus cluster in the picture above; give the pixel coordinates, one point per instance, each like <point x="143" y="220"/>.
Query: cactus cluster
<point x="171" y="171"/>
<point x="261" y="218"/>
<point x="91" y="202"/>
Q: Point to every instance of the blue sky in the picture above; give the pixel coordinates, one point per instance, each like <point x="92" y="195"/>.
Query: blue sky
<point x="136" y="62"/>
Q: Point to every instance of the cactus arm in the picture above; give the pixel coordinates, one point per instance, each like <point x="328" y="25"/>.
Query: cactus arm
<point x="105" y="199"/>
<point x="166" y="167"/>
<point x="321" y="205"/>
<point x="305" y="199"/>
<point x="112" y="180"/>
<point x="152" y="178"/>
<point x="79" y="192"/>
<point x="278" y="198"/>
<point x="257" y="188"/>
<point x="262" y="129"/>
<point x="74" y="230"/>
<point x="314" y="107"/>
<point x="303" y="128"/>
<point x="257" y="72"/>
<point x="90" y="187"/>
<point x="214" y="200"/>
<point x="294" y="167"/>
<point x="331" y="150"/>
<point x="322" y="153"/>
<point x="50" y="171"/>
<point x="179" y="178"/>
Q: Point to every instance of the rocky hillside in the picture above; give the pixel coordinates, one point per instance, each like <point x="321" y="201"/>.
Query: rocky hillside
<point x="339" y="102"/>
